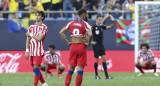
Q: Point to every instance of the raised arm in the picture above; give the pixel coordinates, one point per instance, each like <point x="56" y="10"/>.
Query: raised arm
<point x="62" y="34"/>
<point x="112" y="20"/>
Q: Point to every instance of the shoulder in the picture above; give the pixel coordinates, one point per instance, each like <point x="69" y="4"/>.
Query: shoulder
<point x="87" y="25"/>
<point x="57" y="52"/>
<point x="45" y="26"/>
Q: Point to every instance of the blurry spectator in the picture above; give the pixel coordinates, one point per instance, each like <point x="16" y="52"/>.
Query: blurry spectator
<point x="26" y="2"/>
<point x="124" y="4"/>
<point x="108" y="6"/>
<point x="129" y="6"/>
<point x="34" y="6"/>
<point x="116" y="8"/>
<point x="77" y="4"/>
<point x="13" y="7"/>
<point x="1" y="8"/>
<point x="57" y="5"/>
<point x="5" y="8"/>
<point x="67" y="6"/>
<point x="46" y="5"/>
<point x="21" y="8"/>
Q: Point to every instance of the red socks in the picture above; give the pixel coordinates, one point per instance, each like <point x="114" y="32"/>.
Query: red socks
<point x="68" y="78"/>
<point x="36" y="79"/>
<point x="49" y="72"/>
<point x="79" y="79"/>
<point x="42" y="79"/>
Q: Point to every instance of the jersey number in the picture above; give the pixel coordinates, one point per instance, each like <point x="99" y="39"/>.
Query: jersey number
<point x="76" y="32"/>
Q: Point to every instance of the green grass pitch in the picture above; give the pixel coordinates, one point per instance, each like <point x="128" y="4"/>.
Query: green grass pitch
<point x="120" y="79"/>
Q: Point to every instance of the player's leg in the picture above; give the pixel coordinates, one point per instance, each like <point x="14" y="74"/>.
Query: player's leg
<point x="37" y="65"/>
<point x="154" y="66"/>
<point x="61" y="69"/>
<point x="140" y="68"/>
<point x="69" y="75"/>
<point x="79" y="77"/>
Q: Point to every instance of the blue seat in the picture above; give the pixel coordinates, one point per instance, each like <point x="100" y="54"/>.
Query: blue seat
<point x="49" y="18"/>
<point x="60" y="18"/>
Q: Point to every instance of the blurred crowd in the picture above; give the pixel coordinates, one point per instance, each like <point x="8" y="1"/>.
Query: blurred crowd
<point x="31" y="6"/>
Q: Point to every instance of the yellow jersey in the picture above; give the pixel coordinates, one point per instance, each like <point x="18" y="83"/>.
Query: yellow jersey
<point x="40" y="7"/>
<point x="45" y="1"/>
<point x="13" y="6"/>
<point x="56" y="1"/>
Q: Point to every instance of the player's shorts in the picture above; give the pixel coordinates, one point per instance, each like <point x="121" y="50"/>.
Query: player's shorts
<point x="52" y="66"/>
<point x="148" y="65"/>
<point x="78" y="55"/>
<point x="98" y="50"/>
<point x="36" y="60"/>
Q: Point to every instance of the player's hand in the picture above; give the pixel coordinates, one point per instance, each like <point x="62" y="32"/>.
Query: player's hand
<point x="27" y="55"/>
<point x="27" y="34"/>
<point x="93" y="42"/>
<point x="87" y="44"/>
<point x="69" y="43"/>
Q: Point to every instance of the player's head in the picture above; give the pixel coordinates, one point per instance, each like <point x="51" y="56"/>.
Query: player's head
<point x="83" y="14"/>
<point x="144" y="47"/>
<point x="51" y="49"/>
<point x="99" y="19"/>
<point x="40" y="16"/>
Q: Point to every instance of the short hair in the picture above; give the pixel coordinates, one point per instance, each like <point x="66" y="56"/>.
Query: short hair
<point x="42" y="13"/>
<point x="52" y="46"/>
<point x="81" y="11"/>
<point x="144" y="45"/>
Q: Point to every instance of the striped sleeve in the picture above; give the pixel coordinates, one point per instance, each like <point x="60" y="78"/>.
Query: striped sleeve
<point x="67" y="26"/>
<point x="44" y="30"/>
<point x="87" y="26"/>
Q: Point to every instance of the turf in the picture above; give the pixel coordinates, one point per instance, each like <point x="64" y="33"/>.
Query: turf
<point x="120" y="79"/>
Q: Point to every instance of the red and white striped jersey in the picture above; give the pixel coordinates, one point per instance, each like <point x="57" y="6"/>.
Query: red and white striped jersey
<point x="36" y="47"/>
<point x="77" y="28"/>
<point x="146" y="56"/>
<point x="52" y="59"/>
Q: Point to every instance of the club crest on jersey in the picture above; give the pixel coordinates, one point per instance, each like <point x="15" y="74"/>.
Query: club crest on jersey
<point x="97" y="32"/>
<point x="77" y="24"/>
<point x="130" y="32"/>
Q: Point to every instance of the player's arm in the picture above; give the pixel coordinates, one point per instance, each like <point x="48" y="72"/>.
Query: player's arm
<point x="46" y="67"/>
<point x="58" y="66"/>
<point x="138" y="60"/>
<point x="112" y="22"/>
<point x="62" y="34"/>
<point x="89" y="34"/>
<point x="37" y="38"/>
<point x="27" y="47"/>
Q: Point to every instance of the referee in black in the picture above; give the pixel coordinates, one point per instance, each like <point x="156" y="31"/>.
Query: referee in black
<point x="97" y="43"/>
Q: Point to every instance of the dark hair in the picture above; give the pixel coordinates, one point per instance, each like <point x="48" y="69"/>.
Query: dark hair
<point x="144" y="45"/>
<point x="42" y="13"/>
<point x="81" y="11"/>
<point x="52" y="46"/>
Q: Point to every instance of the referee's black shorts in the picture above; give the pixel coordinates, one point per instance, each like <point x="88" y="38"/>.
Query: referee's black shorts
<point x="98" y="50"/>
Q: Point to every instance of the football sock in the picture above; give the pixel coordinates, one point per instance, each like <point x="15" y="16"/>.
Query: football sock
<point x="37" y="76"/>
<point x="154" y="67"/>
<point x="42" y="79"/>
<point x="68" y="78"/>
<point x="140" y="68"/>
<point x="105" y="69"/>
<point x="43" y="69"/>
<point x="60" y="71"/>
<point x="95" y="67"/>
<point x="79" y="78"/>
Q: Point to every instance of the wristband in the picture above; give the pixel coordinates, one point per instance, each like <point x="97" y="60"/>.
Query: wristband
<point x="31" y="35"/>
<point x="27" y="50"/>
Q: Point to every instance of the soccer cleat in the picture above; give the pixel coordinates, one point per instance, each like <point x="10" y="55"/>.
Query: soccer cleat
<point x="140" y="74"/>
<point x="50" y="76"/>
<point x="98" y="77"/>
<point x="45" y="84"/>
<point x="109" y="77"/>
<point x="156" y="74"/>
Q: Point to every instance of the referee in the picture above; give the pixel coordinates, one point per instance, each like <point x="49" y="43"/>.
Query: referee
<point x="97" y="43"/>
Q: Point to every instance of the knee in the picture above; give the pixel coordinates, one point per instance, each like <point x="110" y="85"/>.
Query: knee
<point x="137" y="65"/>
<point x="96" y="60"/>
<point x="153" y="65"/>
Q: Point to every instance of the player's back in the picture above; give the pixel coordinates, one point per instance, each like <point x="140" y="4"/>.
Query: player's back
<point x="77" y="30"/>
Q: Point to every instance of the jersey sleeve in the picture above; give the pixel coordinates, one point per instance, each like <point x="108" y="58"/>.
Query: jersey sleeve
<point x="151" y="53"/>
<point x="67" y="26"/>
<point x="139" y="54"/>
<point x="87" y="26"/>
<point x="29" y="29"/>
<point x="44" y="30"/>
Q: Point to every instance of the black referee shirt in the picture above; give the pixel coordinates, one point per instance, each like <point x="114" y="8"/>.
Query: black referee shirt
<point x="97" y="32"/>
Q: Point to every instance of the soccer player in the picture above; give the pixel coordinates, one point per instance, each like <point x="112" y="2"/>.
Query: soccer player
<point x="52" y="61"/>
<point x="78" y="53"/>
<point x="148" y="60"/>
<point x="97" y="43"/>
<point x="34" y="46"/>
